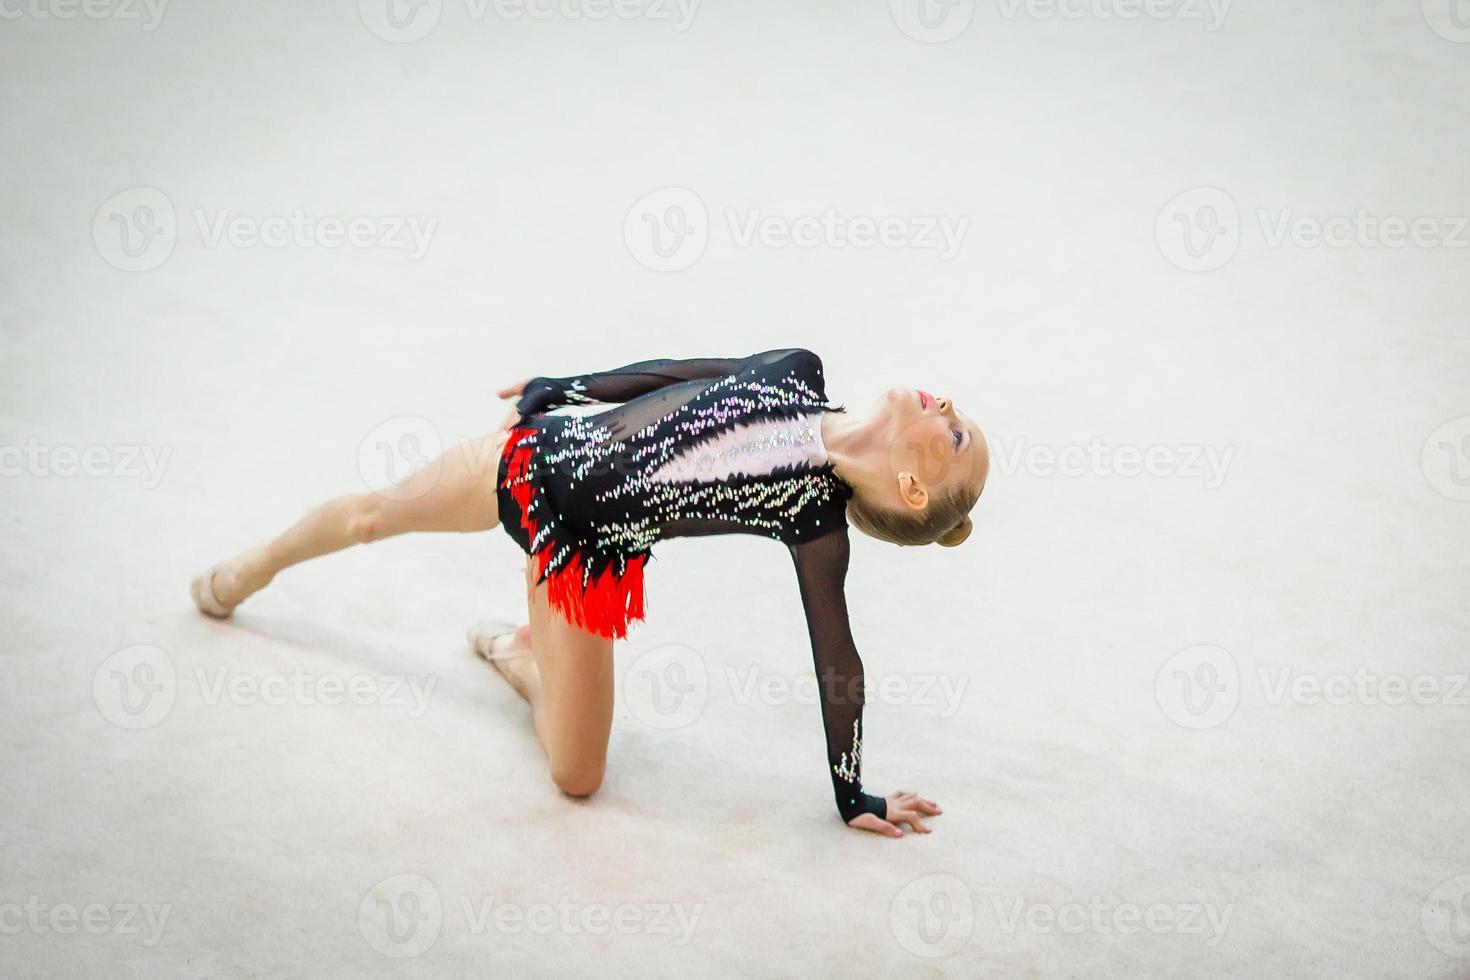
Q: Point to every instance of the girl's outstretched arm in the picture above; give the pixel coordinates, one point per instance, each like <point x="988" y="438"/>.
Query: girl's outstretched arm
<point x="619" y="384"/>
<point x="821" y="569"/>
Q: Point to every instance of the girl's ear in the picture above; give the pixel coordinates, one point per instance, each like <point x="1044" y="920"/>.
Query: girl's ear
<point x="958" y="533"/>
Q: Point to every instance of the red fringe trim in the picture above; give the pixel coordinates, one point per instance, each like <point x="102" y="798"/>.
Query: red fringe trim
<point x="610" y="601"/>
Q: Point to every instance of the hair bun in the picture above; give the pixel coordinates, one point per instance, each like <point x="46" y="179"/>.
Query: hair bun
<point x="958" y="533"/>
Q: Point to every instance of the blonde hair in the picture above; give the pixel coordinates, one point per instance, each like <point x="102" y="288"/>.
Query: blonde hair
<point x="944" y="521"/>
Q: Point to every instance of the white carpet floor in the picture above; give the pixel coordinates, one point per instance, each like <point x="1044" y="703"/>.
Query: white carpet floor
<point x="1193" y="697"/>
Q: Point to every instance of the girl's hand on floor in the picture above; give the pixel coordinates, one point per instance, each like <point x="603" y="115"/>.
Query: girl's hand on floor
<point x="903" y="807"/>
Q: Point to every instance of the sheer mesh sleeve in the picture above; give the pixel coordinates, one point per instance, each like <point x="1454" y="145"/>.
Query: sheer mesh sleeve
<point x="621" y="384"/>
<point x="821" y="570"/>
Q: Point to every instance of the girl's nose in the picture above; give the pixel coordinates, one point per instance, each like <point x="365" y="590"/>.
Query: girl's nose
<point x="945" y="406"/>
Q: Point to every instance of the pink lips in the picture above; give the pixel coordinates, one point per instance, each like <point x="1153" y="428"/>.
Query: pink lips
<point x="925" y="399"/>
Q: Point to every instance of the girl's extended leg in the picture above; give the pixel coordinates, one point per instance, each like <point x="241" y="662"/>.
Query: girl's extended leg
<point x="455" y="492"/>
<point x="569" y="684"/>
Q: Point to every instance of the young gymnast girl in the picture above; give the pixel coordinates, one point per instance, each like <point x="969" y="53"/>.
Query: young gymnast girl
<point x="685" y="447"/>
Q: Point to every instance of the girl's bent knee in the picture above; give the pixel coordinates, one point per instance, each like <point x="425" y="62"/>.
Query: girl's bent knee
<point x="578" y="781"/>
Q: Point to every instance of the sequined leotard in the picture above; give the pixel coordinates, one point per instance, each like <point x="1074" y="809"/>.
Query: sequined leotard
<point x="695" y="447"/>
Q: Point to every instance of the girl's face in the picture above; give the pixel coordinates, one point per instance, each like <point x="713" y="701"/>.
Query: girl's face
<point x="934" y="449"/>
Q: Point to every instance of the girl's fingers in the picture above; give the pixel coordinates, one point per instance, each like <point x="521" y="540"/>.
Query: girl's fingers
<point x="876" y="824"/>
<point x="884" y="827"/>
<point x="911" y="818"/>
<point x="927" y="807"/>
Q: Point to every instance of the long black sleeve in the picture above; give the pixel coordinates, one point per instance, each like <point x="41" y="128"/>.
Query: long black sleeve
<point x="621" y="384"/>
<point x="821" y="570"/>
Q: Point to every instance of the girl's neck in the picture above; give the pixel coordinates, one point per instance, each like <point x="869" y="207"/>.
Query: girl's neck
<point x="850" y="442"/>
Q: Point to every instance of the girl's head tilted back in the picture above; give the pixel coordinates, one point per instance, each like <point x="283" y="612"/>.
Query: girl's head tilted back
<point x="917" y="466"/>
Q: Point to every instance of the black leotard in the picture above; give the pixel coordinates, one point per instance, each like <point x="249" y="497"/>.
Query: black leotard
<point x="588" y="495"/>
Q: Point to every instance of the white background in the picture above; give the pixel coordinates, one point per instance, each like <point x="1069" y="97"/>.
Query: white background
<point x="1330" y="834"/>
